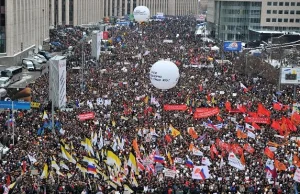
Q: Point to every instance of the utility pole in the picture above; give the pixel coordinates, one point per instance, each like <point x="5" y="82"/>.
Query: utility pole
<point x="12" y="120"/>
<point x="52" y="96"/>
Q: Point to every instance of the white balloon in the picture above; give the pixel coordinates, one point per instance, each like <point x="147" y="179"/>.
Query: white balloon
<point x="164" y="75"/>
<point x="141" y="14"/>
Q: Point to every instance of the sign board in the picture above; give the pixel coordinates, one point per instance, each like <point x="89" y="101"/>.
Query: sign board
<point x="232" y="46"/>
<point x="297" y="175"/>
<point x="170" y="173"/>
<point x="290" y="76"/>
<point x="35" y="104"/>
<point x="15" y="105"/>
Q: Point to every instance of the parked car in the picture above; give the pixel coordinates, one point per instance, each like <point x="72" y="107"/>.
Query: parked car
<point x="45" y="54"/>
<point x="37" y="66"/>
<point x="28" y="64"/>
<point x="39" y="58"/>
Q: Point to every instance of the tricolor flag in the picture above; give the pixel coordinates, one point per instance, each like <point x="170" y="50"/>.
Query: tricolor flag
<point x="189" y="163"/>
<point x="159" y="159"/>
<point x="91" y="169"/>
<point x="200" y="173"/>
<point x="245" y="89"/>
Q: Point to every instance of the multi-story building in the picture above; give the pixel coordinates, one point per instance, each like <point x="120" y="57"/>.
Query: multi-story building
<point x="168" y="7"/>
<point x="235" y="19"/>
<point x="24" y="25"/>
<point x="75" y="12"/>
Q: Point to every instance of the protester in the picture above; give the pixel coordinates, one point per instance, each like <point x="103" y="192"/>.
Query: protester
<point x="250" y="145"/>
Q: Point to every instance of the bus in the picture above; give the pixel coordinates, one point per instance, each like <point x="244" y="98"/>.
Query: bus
<point x="13" y="73"/>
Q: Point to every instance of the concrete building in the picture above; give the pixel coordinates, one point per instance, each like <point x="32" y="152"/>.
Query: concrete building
<point x="235" y="19"/>
<point x="168" y="7"/>
<point x="75" y="12"/>
<point x="24" y="25"/>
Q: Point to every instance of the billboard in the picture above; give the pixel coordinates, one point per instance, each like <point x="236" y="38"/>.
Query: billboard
<point x="57" y="82"/>
<point x="96" y="44"/>
<point x="290" y="76"/>
<point x="14" y="105"/>
<point x="232" y="46"/>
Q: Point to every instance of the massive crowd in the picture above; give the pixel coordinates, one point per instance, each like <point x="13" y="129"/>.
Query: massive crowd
<point x="133" y="144"/>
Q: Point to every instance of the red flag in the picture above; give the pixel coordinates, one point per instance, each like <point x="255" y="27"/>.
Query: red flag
<point x="237" y="149"/>
<point x="168" y="138"/>
<point x="275" y="125"/>
<point x="228" y="106"/>
<point x="219" y="118"/>
<point x="269" y="153"/>
<point x="248" y="148"/>
<point x="277" y="106"/>
<point x="213" y="150"/>
<point x="261" y="110"/>
<point x="253" y="114"/>
<point x="242" y="108"/>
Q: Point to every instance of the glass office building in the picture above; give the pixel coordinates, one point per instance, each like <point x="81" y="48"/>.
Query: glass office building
<point x="232" y="19"/>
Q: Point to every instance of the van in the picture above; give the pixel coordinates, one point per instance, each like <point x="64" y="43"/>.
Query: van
<point x="27" y="64"/>
<point x="4" y="82"/>
<point x="37" y="66"/>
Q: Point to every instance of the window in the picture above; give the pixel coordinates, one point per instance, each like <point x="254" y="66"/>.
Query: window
<point x="297" y="20"/>
<point x="286" y="11"/>
<point x="269" y="3"/>
<point x="291" y="20"/>
<point x="298" y="4"/>
<point x="287" y="4"/>
<point x="279" y="20"/>
<point x="274" y="19"/>
<point x="292" y="3"/>
<point x="280" y="11"/>
<point x="292" y="12"/>
<point x="274" y="3"/>
<point x="280" y="3"/>
<point x="298" y="12"/>
<point x="285" y="20"/>
<point x="268" y="11"/>
<point x="268" y="20"/>
<point x="274" y="11"/>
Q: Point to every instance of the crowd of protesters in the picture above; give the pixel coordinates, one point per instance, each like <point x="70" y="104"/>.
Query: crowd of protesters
<point x="130" y="119"/>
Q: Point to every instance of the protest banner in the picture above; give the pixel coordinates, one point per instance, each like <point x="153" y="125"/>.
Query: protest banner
<point x="86" y="116"/>
<point x="209" y="113"/>
<point x="263" y="120"/>
<point x="297" y="175"/>
<point x="175" y="107"/>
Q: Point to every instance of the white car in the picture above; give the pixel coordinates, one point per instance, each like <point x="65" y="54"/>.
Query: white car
<point x="38" y="59"/>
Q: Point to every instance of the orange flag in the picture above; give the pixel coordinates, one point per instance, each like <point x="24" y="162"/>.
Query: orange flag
<point x="279" y="165"/>
<point x="269" y="153"/>
<point x="135" y="146"/>
<point x="192" y="133"/>
<point x="191" y="148"/>
<point x="240" y="134"/>
<point x="296" y="161"/>
<point x="272" y="144"/>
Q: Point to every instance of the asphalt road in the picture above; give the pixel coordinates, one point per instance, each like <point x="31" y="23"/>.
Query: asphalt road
<point x="27" y="78"/>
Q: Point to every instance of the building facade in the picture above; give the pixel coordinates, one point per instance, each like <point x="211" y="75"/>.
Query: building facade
<point x="75" y="12"/>
<point x="168" y="7"/>
<point x="234" y="19"/>
<point x="24" y="25"/>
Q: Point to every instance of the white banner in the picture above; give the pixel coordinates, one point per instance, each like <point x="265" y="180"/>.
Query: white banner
<point x="200" y="173"/>
<point x="170" y="173"/>
<point x="197" y="152"/>
<point x="297" y="175"/>
<point x="235" y="162"/>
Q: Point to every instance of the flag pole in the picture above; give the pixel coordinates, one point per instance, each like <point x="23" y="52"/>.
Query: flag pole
<point x="13" y="125"/>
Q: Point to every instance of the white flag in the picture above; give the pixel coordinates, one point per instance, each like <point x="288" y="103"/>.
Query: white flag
<point x="235" y="162"/>
<point x="250" y="134"/>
